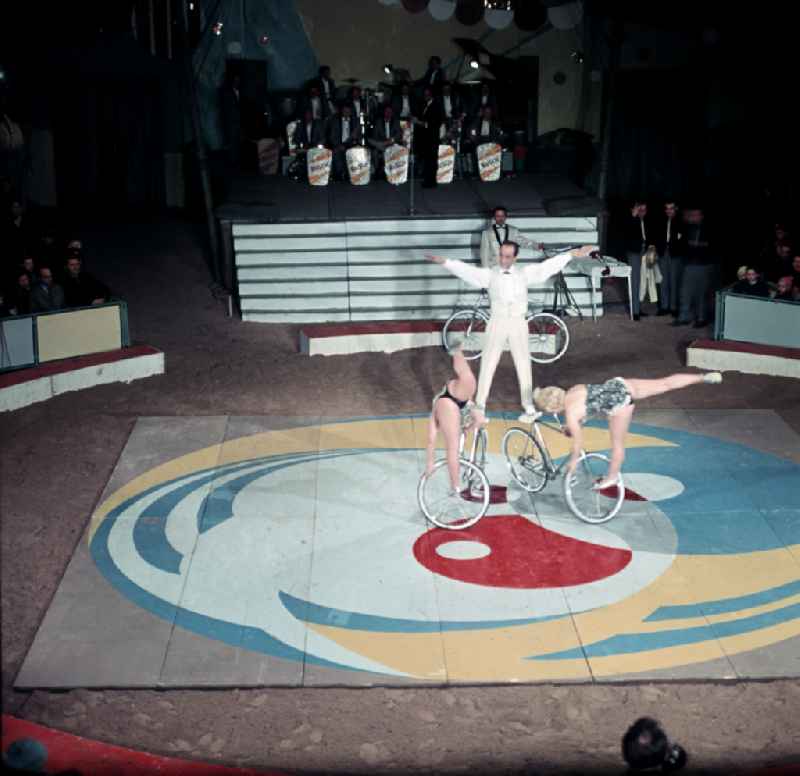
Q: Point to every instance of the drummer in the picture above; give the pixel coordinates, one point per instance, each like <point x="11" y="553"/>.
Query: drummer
<point x="385" y="133"/>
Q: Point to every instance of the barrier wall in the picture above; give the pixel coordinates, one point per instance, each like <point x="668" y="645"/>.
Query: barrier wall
<point x="376" y="270"/>
<point x="758" y="320"/>
<point x="27" y="340"/>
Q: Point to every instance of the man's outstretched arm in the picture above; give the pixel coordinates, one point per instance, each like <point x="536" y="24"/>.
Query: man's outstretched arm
<point x="476" y="276"/>
<point x="538" y="273"/>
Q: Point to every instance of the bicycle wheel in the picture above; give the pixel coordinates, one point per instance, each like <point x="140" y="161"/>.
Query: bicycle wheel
<point x="548" y="338"/>
<point x="468" y="329"/>
<point x="525" y="459"/>
<point x="454" y="511"/>
<point x="592" y="506"/>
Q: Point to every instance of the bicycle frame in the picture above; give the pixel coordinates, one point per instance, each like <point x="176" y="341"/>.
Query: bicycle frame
<point x="476" y="435"/>
<point x="553" y="470"/>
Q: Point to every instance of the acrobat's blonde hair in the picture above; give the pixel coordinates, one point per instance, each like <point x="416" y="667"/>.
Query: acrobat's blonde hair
<point x="550" y="399"/>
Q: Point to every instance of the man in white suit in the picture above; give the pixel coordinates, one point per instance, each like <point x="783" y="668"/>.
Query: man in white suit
<point x="508" y="295"/>
<point x="498" y="232"/>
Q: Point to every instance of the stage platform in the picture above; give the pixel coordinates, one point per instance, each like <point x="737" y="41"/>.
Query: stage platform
<point x="265" y="551"/>
<point x="527" y="194"/>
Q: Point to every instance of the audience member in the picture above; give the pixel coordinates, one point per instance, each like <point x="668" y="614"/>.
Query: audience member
<point x="645" y="745"/>
<point x="28" y="266"/>
<point x="785" y="290"/>
<point x="795" y="273"/>
<point x="80" y="288"/>
<point x="639" y="233"/>
<point x="669" y="244"/>
<point x="780" y="262"/>
<point x="699" y="273"/>
<point x="752" y="285"/>
<point x="46" y="295"/>
<point x="20" y="301"/>
<point x="19" y="237"/>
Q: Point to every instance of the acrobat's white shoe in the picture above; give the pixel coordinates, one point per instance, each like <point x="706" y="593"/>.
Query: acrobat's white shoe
<point x="713" y="378"/>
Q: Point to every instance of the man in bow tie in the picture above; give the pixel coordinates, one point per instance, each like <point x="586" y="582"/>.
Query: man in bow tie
<point x="508" y="295"/>
<point x="498" y="232"/>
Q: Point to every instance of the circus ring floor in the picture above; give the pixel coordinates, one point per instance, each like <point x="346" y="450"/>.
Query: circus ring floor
<point x="263" y="551"/>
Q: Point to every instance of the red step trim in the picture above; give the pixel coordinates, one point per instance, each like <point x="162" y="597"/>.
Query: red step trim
<point x="322" y="330"/>
<point x="64" y="751"/>
<point x="70" y="364"/>
<point x="734" y="346"/>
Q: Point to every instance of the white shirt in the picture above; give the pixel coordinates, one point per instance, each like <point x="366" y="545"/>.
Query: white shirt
<point x="326" y="85"/>
<point x="316" y="107"/>
<point x="357" y="107"/>
<point x="484" y="127"/>
<point x="345" y="130"/>
<point x="406" y="109"/>
<point x="387" y="129"/>
<point x="448" y="106"/>
<point x="508" y="290"/>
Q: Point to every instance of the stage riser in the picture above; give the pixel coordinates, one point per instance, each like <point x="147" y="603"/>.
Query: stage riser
<point x="376" y="270"/>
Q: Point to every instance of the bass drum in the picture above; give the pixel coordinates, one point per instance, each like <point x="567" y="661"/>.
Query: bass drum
<point x="490" y="158"/>
<point x="318" y="165"/>
<point x="395" y="164"/>
<point x="358" y="165"/>
<point x="447" y="158"/>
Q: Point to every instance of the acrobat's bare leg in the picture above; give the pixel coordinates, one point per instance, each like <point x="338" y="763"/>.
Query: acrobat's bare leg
<point x="618" y="425"/>
<point x="644" y="389"/>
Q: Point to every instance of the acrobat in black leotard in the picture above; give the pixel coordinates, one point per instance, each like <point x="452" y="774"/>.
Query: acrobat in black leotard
<point x="445" y="394"/>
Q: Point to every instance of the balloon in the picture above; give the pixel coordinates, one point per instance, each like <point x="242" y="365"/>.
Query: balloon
<point x="442" y="10"/>
<point x="415" y="6"/>
<point x="530" y="15"/>
<point x="565" y="17"/>
<point x="469" y="12"/>
<point x="498" y="20"/>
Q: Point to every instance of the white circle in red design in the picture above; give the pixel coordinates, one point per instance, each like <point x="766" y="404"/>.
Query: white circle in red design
<point x="460" y="550"/>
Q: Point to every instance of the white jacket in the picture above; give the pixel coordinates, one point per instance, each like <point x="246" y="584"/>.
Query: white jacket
<point x="490" y="247"/>
<point x="508" y="293"/>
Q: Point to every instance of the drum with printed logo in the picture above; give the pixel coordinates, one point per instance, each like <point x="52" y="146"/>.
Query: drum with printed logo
<point x="290" y="144"/>
<point x="395" y="164"/>
<point x="490" y="158"/>
<point x="318" y="163"/>
<point x="447" y="158"/>
<point x="407" y="128"/>
<point x="358" y="165"/>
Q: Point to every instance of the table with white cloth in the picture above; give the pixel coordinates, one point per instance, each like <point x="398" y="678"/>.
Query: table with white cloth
<point x="593" y="269"/>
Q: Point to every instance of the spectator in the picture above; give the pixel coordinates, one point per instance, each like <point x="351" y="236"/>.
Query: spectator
<point x="645" y="745"/>
<point x="29" y="268"/>
<point x="80" y="288"/>
<point x="639" y="233"/>
<point x="752" y="285"/>
<point x="19" y="235"/>
<point x="795" y="273"/>
<point x="21" y="299"/>
<point x="699" y="273"/>
<point x="786" y="292"/>
<point x="5" y="307"/>
<point x="669" y="244"/>
<point x="780" y="263"/>
<point x="46" y="295"/>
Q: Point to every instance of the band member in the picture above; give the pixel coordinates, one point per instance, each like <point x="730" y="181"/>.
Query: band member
<point x="450" y="106"/>
<point x="508" y="296"/>
<point x="319" y="108"/>
<point x="403" y="103"/>
<point x="615" y="399"/>
<point x="327" y="88"/>
<point x="386" y="132"/>
<point x="427" y="139"/>
<point x="309" y="131"/>
<point x="452" y="410"/>
<point x="343" y="132"/>
<point x="434" y="76"/>
<point x="485" y="129"/>
<point x="358" y="104"/>
<point x="485" y="100"/>
<point x="669" y="244"/>
<point x="498" y="232"/>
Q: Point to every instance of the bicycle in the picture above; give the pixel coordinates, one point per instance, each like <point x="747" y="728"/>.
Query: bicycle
<point x="532" y="467"/>
<point x="435" y="493"/>
<point x="548" y="336"/>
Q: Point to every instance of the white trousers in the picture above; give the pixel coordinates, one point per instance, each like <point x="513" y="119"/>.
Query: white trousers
<point x="502" y="330"/>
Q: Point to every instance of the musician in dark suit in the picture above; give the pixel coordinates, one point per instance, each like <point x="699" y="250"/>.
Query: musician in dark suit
<point x="327" y="87"/>
<point x="434" y="76"/>
<point x="485" y="100"/>
<point x="358" y="105"/>
<point x="386" y="132"/>
<point x="485" y="129"/>
<point x="344" y="132"/>
<point x="427" y="138"/>
<point x="403" y="103"/>
<point x="309" y="132"/>
<point x="450" y="106"/>
<point x="314" y="102"/>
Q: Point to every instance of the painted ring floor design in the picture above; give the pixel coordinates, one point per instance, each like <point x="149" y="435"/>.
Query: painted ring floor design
<point x="266" y="551"/>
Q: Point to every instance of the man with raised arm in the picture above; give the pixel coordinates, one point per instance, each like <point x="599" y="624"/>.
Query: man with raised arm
<point x="508" y="295"/>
